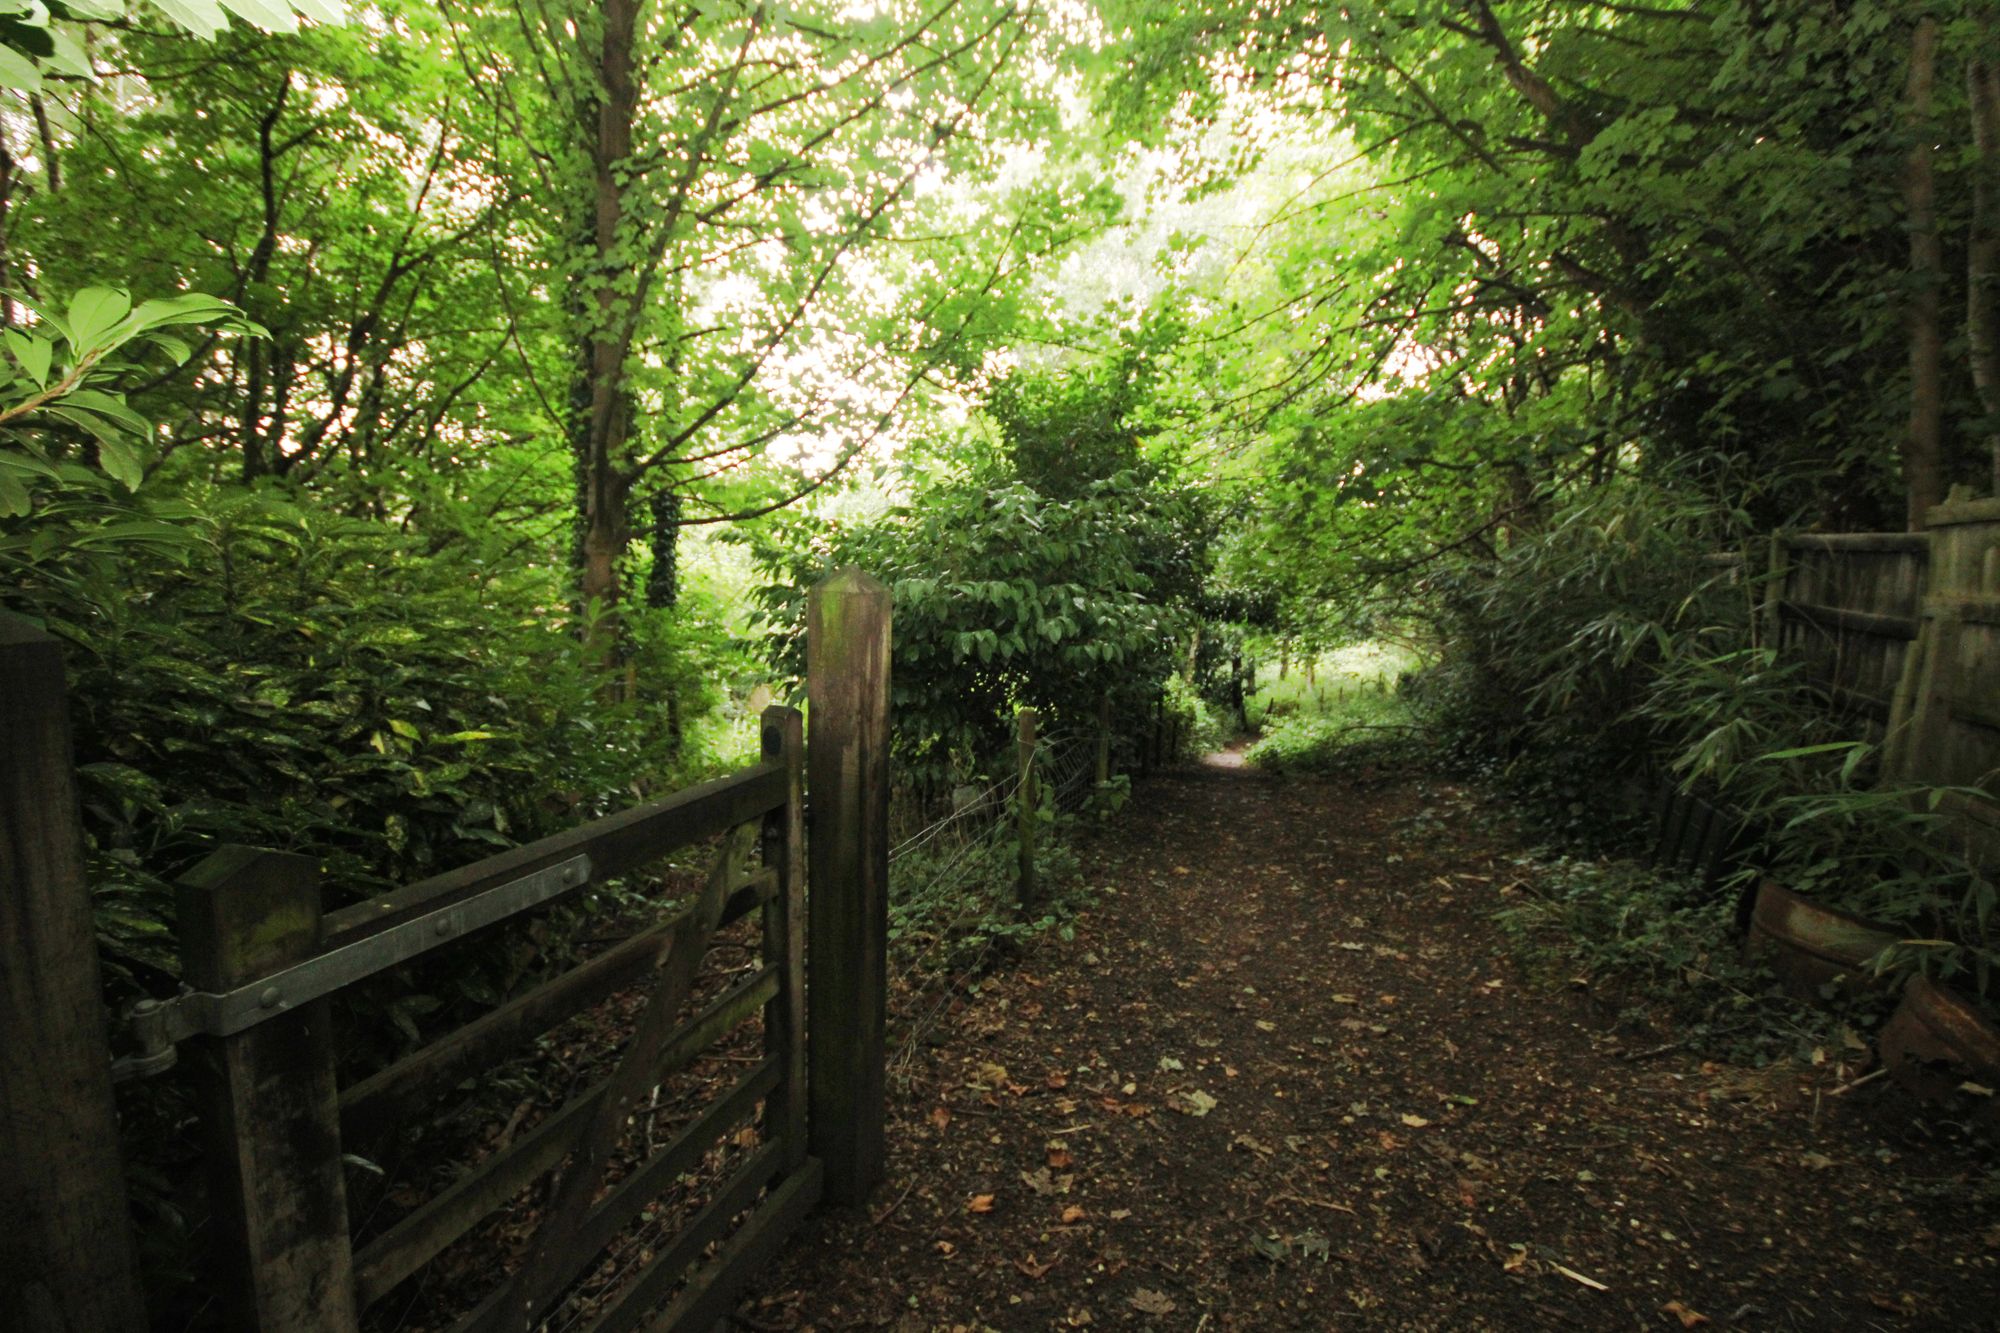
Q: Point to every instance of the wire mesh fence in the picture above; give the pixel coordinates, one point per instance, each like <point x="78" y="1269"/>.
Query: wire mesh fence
<point x="954" y="883"/>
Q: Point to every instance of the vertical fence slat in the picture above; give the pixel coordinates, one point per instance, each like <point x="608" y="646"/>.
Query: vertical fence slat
<point x="270" y="1111"/>
<point x="847" y="905"/>
<point x="1027" y="804"/>
<point x="784" y="934"/>
<point x="66" y="1256"/>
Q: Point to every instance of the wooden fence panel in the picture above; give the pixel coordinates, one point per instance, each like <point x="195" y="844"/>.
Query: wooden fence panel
<point x="1948" y="734"/>
<point x="1848" y="607"/>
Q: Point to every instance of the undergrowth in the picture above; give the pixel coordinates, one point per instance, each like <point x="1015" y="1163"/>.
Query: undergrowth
<point x="1663" y="948"/>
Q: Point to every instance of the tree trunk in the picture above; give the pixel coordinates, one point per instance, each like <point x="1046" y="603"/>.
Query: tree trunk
<point x="1923" y="455"/>
<point x="1982" y="266"/>
<point x="602" y="405"/>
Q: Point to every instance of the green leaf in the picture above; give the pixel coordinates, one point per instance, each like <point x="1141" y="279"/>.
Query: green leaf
<point x="32" y="353"/>
<point x="120" y="462"/>
<point x="265" y="14"/>
<point x="19" y="72"/>
<point x="203" y="18"/>
<point x="93" y="313"/>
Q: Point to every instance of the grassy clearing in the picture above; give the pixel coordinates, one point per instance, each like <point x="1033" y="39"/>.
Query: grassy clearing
<point x="1312" y="716"/>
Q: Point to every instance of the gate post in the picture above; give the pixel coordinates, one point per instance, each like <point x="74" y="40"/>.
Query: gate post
<point x="67" y="1261"/>
<point x="847" y="896"/>
<point x="269" y="1111"/>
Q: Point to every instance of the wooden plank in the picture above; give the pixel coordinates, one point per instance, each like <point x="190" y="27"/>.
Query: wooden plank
<point x="552" y="1260"/>
<point x="1953" y="512"/>
<point x="784" y="942"/>
<point x="269" y="1112"/>
<point x="707" y="1227"/>
<point x="66" y="1256"/>
<point x="712" y="1293"/>
<point x="1860" y="622"/>
<point x="390" y="1096"/>
<point x="615" y="844"/>
<point x="414" y="1241"/>
<point x="847" y="907"/>
<point x="617" y="1209"/>
<point x="1979" y="610"/>
<point x="1871" y="543"/>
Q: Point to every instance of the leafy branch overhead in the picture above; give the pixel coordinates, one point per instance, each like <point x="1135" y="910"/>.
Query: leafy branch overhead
<point x="67" y="369"/>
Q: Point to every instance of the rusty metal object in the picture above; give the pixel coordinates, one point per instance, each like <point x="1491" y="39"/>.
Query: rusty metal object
<point x="1936" y="1042"/>
<point x="1811" y="946"/>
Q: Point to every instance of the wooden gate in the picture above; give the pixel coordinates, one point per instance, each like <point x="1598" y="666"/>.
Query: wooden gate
<point x="262" y="964"/>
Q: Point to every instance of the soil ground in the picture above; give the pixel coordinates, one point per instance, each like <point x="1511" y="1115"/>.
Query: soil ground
<point x="1288" y="1075"/>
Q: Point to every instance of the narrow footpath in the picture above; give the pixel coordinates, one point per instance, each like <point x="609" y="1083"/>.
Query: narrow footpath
<point x="1288" y="1076"/>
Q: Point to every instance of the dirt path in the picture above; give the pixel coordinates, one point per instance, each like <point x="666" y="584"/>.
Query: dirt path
<point x="1286" y="1077"/>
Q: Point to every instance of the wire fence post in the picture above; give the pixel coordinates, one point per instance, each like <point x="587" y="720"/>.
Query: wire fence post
<point x="66" y="1256"/>
<point x="1103" y="739"/>
<point x="847" y="903"/>
<point x="1027" y="801"/>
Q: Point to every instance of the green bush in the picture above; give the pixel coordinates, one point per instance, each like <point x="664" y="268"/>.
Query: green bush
<point x="327" y="685"/>
<point x="1002" y="599"/>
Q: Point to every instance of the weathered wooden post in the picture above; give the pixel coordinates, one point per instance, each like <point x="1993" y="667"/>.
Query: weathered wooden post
<point x="847" y="903"/>
<point x="1237" y="702"/>
<point x="66" y="1256"/>
<point x="784" y="930"/>
<point x="1103" y="740"/>
<point x="270" y="1112"/>
<point x="1027" y="802"/>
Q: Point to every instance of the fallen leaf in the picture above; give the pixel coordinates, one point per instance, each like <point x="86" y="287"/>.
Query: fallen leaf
<point x="1197" y="1103"/>
<point x="1169" y="1065"/>
<point x="1072" y="1214"/>
<point x="1147" y="1301"/>
<point x="1415" y="1121"/>
<point x="1039" y="1180"/>
<point x="1266" y="1025"/>
<point x="946" y="1248"/>
<point x="941" y="1117"/>
<point x="1688" y="1318"/>
<point x="991" y="1075"/>
<point x="1059" y="1156"/>
<point x="1818" y="1161"/>
<point x="981" y="1203"/>
<point x="1057" y="1081"/>
<point x="1029" y="1268"/>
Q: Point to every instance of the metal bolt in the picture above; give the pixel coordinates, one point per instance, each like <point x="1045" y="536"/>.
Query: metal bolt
<point x="442" y="928"/>
<point x="269" y="999"/>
